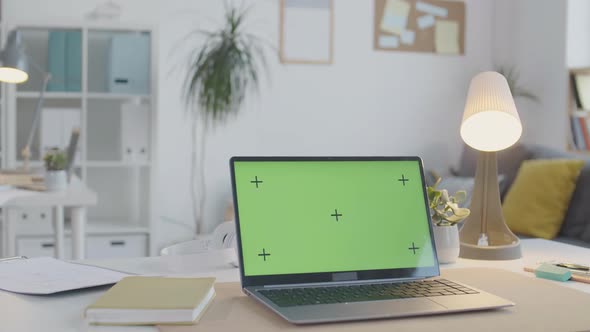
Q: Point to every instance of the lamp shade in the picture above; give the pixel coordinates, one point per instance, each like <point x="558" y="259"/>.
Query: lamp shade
<point x="14" y="61"/>
<point x="490" y="120"/>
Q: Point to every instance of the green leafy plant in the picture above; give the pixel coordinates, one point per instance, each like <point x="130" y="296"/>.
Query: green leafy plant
<point x="445" y="208"/>
<point x="513" y="78"/>
<point x="222" y="70"/>
<point x="55" y="160"/>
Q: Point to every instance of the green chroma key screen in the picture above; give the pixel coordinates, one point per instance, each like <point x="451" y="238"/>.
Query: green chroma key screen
<point x="331" y="216"/>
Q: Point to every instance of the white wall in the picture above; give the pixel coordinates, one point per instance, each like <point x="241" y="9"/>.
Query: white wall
<point x="531" y="35"/>
<point x="366" y="103"/>
<point x="578" y="33"/>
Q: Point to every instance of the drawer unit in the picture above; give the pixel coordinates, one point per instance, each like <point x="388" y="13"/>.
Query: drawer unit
<point x="109" y="246"/>
<point x="41" y="246"/>
<point x="34" y="215"/>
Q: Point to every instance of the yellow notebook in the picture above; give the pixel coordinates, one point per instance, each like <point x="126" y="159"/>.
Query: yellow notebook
<point x="153" y="300"/>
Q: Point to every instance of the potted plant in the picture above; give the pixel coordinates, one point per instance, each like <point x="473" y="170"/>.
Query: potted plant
<point x="224" y="67"/>
<point x="55" y="165"/>
<point x="446" y="213"/>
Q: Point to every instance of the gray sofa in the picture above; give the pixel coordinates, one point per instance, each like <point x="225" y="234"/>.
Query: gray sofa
<point x="576" y="226"/>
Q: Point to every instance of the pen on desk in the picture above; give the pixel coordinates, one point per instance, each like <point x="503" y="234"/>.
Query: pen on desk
<point x="12" y="258"/>
<point x="574" y="267"/>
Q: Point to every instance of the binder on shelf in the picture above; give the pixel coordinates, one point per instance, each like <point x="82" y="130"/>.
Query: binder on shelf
<point x="56" y="61"/>
<point x="64" y="61"/>
<point x="129" y="64"/>
<point x="73" y="61"/>
<point x="135" y="124"/>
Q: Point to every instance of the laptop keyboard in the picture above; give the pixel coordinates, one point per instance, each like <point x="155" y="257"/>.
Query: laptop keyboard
<point x="288" y="297"/>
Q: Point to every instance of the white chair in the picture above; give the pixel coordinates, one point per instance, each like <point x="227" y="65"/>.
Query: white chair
<point x="223" y="238"/>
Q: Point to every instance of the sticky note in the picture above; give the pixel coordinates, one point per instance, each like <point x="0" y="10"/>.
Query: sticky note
<point x="408" y="37"/>
<point x="431" y="9"/>
<point x="552" y="272"/>
<point x="446" y="37"/>
<point x="425" y="21"/>
<point x="388" y="41"/>
<point x="395" y="16"/>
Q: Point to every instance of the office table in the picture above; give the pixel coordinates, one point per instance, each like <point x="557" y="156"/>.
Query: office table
<point x="64" y="312"/>
<point x="76" y="197"/>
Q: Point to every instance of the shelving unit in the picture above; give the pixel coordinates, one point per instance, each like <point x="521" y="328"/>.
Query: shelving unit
<point x="574" y="112"/>
<point x="117" y="133"/>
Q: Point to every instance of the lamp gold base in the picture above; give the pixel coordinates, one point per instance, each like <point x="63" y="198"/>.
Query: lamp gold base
<point x="484" y="234"/>
<point x="503" y="252"/>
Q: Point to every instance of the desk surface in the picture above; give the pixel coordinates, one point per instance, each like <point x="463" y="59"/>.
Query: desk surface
<point x="64" y="312"/>
<point x="77" y="194"/>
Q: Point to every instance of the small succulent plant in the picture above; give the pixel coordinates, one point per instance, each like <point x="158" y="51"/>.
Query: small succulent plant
<point x="444" y="207"/>
<point x="55" y="160"/>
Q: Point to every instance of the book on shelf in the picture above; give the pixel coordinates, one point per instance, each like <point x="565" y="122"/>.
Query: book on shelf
<point x="581" y="91"/>
<point x="580" y="129"/>
<point x="140" y="300"/>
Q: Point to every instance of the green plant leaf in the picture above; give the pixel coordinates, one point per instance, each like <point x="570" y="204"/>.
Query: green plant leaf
<point x="459" y="212"/>
<point x="223" y="69"/>
<point x="460" y="196"/>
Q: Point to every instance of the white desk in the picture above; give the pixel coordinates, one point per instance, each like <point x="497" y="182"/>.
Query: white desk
<point x="64" y="312"/>
<point x="76" y="197"/>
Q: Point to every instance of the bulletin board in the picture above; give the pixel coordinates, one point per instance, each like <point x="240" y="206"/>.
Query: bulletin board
<point x="429" y="26"/>
<point x="306" y="31"/>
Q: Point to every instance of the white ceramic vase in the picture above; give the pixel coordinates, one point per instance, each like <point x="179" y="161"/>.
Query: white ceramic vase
<point x="446" y="239"/>
<point x="56" y="180"/>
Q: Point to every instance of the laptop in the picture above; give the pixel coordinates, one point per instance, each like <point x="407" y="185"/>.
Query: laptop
<point x="327" y="239"/>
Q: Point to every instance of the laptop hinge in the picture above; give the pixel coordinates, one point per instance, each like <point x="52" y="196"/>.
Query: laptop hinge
<point x="344" y="283"/>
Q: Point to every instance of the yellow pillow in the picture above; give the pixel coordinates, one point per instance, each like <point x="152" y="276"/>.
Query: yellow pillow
<point x="538" y="199"/>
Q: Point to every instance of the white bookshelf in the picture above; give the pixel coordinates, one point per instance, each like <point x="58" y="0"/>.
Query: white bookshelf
<point x="125" y="186"/>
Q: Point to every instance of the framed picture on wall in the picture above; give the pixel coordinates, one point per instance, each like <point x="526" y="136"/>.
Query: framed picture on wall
<point x="306" y="31"/>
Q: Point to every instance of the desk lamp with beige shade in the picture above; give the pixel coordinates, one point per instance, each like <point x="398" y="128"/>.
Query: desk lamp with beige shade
<point x="490" y="124"/>
<point x="14" y="69"/>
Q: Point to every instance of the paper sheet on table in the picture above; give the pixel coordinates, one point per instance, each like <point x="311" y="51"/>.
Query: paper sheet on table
<point x="395" y="16"/>
<point x="46" y="275"/>
<point x="446" y="37"/>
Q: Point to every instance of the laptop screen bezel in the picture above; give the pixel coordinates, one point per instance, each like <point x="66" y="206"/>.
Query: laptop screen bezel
<point x="302" y="278"/>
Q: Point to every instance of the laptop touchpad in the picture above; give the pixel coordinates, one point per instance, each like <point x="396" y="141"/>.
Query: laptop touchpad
<point x="364" y="310"/>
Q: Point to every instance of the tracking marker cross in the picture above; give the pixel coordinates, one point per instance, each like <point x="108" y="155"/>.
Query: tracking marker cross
<point x="413" y="248"/>
<point x="403" y="180"/>
<point x="264" y="254"/>
<point x="336" y="214"/>
<point x="256" y="181"/>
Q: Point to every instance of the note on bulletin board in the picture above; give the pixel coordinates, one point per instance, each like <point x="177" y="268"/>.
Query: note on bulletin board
<point x="420" y="26"/>
<point x="306" y="34"/>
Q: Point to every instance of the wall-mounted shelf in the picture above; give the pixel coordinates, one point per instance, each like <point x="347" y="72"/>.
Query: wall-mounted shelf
<point x="118" y="96"/>
<point x="112" y="105"/>
<point x="92" y="163"/>
<point x="49" y="95"/>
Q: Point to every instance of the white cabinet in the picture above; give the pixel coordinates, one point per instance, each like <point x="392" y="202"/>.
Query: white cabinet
<point x="41" y="246"/>
<point x="106" y="246"/>
<point x="115" y="109"/>
<point x="97" y="246"/>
